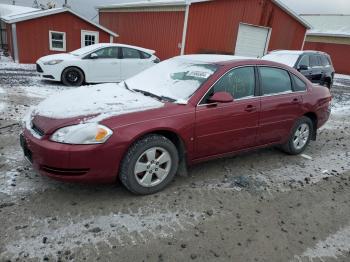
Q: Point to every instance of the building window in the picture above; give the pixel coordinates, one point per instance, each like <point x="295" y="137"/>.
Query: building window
<point x="57" y="41"/>
<point x="89" y="38"/>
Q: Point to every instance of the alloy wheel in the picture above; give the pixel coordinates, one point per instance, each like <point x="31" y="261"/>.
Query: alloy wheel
<point x="301" y="136"/>
<point x="152" y="167"/>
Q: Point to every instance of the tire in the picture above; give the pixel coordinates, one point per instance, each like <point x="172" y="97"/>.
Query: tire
<point x="292" y="147"/>
<point x="153" y="176"/>
<point x="72" y="76"/>
<point x="329" y="84"/>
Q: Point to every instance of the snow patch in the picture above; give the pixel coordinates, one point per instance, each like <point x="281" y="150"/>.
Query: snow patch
<point x="105" y="100"/>
<point x="115" y="229"/>
<point x="287" y="58"/>
<point x="177" y="78"/>
<point x="332" y="247"/>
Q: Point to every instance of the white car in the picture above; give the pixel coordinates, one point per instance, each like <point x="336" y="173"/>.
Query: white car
<point x="99" y="63"/>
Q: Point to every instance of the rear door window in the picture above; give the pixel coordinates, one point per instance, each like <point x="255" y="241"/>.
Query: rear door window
<point x="325" y="61"/>
<point x="130" y="53"/>
<point x="274" y="81"/>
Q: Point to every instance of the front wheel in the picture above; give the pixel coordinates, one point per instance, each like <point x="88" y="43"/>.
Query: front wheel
<point x="72" y="76"/>
<point x="300" y="136"/>
<point x="149" y="165"/>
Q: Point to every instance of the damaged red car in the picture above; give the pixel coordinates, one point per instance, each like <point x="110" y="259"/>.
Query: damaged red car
<point x="183" y="111"/>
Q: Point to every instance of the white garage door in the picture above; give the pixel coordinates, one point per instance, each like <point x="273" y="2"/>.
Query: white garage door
<point x="251" y="40"/>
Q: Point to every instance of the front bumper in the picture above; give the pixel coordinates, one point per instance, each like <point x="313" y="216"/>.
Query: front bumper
<point x="72" y="163"/>
<point x="48" y="72"/>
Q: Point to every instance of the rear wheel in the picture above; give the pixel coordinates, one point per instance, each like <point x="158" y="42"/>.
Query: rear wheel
<point x="72" y="76"/>
<point x="149" y="165"/>
<point x="300" y="136"/>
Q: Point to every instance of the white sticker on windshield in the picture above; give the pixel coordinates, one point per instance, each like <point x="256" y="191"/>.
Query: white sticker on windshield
<point x="198" y="74"/>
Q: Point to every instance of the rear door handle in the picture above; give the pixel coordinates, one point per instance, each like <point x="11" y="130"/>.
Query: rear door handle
<point x="250" y="108"/>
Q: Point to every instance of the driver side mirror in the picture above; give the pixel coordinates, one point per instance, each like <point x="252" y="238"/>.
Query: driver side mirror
<point x="221" y="97"/>
<point x="303" y="68"/>
<point x="93" y="56"/>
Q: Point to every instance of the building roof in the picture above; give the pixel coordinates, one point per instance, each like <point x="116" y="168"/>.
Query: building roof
<point x="162" y="3"/>
<point x="15" y="17"/>
<point x="151" y="3"/>
<point x="14" y="10"/>
<point x="292" y="13"/>
<point x="329" y="25"/>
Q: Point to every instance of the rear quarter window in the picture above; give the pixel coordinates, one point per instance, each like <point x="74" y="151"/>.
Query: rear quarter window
<point x="299" y="85"/>
<point x="325" y="61"/>
<point x="145" y="55"/>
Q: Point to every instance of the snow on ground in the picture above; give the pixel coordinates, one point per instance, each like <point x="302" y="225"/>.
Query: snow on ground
<point x="6" y="62"/>
<point x="115" y="229"/>
<point x="334" y="246"/>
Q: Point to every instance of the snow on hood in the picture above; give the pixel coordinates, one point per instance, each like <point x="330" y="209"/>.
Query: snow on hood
<point x="65" y="56"/>
<point x="104" y="100"/>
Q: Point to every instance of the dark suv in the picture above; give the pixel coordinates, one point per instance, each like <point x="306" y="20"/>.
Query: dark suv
<point x="316" y="66"/>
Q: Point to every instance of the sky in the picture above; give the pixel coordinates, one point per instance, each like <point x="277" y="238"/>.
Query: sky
<point x="86" y="7"/>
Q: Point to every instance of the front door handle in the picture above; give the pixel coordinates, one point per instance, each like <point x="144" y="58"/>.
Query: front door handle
<point x="250" y="108"/>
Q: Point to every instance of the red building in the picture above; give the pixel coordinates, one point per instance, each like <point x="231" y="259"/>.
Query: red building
<point x="36" y="33"/>
<point x="331" y="34"/>
<point x="241" y="27"/>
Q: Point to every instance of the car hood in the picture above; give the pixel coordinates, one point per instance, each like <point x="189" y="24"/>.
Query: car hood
<point x="87" y="104"/>
<point x="66" y="56"/>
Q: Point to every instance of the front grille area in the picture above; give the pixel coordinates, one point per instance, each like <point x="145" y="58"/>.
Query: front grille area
<point x="37" y="130"/>
<point x="39" y="69"/>
<point x="64" y="171"/>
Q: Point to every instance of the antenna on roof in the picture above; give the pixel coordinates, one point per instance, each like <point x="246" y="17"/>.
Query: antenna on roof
<point x="66" y="5"/>
<point x="36" y="4"/>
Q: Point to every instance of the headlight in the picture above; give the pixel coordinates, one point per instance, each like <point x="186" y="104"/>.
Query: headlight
<point x="82" y="134"/>
<point x="53" y="62"/>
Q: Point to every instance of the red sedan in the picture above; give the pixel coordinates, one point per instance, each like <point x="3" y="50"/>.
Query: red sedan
<point x="180" y="112"/>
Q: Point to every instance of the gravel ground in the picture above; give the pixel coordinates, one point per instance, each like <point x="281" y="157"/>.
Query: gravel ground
<point x="258" y="206"/>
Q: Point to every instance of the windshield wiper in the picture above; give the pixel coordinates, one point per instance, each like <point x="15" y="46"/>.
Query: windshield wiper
<point x="161" y="98"/>
<point x="126" y="86"/>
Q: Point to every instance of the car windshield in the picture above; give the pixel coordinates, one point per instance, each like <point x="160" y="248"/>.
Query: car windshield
<point x="84" y="50"/>
<point x="175" y="78"/>
<point x="287" y="59"/>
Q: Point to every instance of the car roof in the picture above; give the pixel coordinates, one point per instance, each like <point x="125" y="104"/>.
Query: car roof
<point x="229" y="60"/>
<point x="101" y="45"/>
<point x="211" y="59"/>
<point x="296" y="52"/>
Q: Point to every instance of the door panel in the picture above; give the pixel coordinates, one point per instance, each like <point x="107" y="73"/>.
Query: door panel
<point x="132" y="62"/>
<point x="106" y="67"/>
<point x="226" y="127"/>
<point x="277" y="117"/>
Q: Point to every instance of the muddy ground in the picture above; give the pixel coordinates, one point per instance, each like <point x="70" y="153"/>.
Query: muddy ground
<point x="259" y="206"/>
